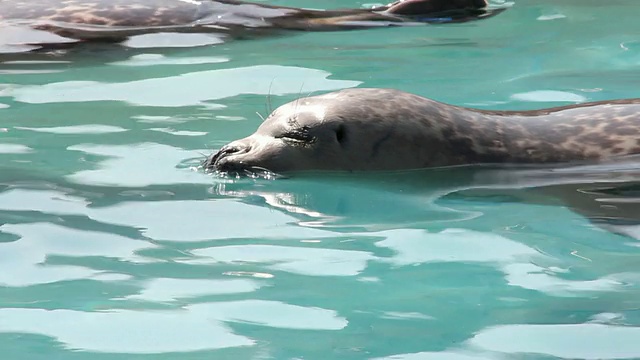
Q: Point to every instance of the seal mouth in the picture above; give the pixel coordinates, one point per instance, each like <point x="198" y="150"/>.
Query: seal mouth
<point x="220" y="164"/>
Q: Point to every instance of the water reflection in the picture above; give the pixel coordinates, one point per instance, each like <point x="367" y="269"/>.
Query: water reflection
<point x="173" y="40"/>
<point x="436" y="252"/>
<point x="607" y="194"/>
<point x="75" y="129"/>
<point x="23" y="262"/>
<point x="14" y="149"/>
<point x="110" y="243"/>
<point x="19" y="38"/>
<point x="167" y="290"/>
<point x="159" y="59"/>
<point x="445" y="355"/>
<point x="345" y="204"/>
<point x="193" y="328"/>
<point x="567" y="341"/>
<point x="195" y="87"/>
<point x="116" y="169"/>
<point x="174" y="220"/>
<point x="298" y="260"/>
<point x="124" y="331"/>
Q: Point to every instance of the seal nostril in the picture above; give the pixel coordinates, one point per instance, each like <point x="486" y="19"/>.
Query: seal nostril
<point x="213" y="161"/>
<point x="234" y="149"/>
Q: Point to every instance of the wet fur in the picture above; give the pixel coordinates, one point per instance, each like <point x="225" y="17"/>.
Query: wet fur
<point x="589" y="131"/>
<point x="399" y="131"/>
<point x="118" y="19"/>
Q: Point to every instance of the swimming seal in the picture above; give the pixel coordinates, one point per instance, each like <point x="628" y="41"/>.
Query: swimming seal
<point x="385" y="129"/>
<point x="116" y="20"/>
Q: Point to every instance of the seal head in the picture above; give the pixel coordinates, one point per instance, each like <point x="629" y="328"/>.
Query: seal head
<point x="348" y="130"/>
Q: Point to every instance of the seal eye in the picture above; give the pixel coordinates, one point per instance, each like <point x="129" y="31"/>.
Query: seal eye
<point x="298" y="135"/>
<point x="293" y="135"/>
<point x="341" y="134"/>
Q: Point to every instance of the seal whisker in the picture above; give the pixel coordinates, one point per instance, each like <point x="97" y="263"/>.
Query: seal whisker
<point x="295" y="111"/>
<point x="249" y="173"/>
<point x="269" y="105"/>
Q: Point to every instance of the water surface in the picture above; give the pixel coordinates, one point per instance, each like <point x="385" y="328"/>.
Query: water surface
<point x="113" y="245"/>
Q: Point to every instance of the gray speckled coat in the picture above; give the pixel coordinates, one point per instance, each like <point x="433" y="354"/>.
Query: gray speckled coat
<point x="118" y="19"/>
<point x="385" y="129"/>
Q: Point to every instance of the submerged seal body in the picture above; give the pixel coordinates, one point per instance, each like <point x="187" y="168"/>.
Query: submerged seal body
<point x="384" y="129"/>
<point x="119" y="19"/>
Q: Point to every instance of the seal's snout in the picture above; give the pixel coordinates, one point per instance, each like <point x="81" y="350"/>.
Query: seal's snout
<point x="220" y="161"/>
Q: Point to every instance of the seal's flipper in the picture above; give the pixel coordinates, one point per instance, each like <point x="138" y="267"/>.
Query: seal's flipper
<point x="442" y="11"/>
<point x="426" y="7"/>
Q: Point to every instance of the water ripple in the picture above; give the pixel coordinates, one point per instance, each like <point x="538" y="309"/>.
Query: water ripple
<point x="23" y="262"/>
<point x="304" y="261"/>
<point x="570" y="341"/>
<point x="194" y="328"/>
<point x="165" y="289"/>
<point x="194" y="88"/>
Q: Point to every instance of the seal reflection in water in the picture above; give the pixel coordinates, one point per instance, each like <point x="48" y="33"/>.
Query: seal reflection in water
<point x="114" y="20"/>
<point x="384" y="129"/>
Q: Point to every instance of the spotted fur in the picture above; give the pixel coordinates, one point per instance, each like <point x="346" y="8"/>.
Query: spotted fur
<point x="390" y="130"/>
<point x="589" y="131"/>
<point x="116" y="19"/>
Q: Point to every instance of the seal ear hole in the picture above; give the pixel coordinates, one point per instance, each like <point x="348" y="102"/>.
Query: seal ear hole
<point x="341" y="134"/>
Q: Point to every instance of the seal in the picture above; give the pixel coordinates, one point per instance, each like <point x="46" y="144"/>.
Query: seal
<point x="116" y="20"/>
<point x="384" y="129"/>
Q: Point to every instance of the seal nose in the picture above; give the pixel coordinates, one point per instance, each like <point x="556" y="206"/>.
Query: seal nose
<point x="214" y="162"/>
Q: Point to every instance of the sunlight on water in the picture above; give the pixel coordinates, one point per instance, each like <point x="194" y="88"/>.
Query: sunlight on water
<point x="115" y="244"/>
<point x="594" y="340"/>
<point x="196" y="87"/>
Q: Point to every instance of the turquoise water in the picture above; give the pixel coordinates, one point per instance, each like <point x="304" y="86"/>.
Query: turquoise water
<point x="113" y="245"/>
